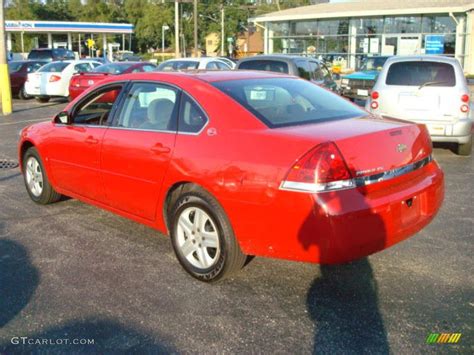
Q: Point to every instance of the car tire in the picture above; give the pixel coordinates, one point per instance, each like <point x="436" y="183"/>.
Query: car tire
<point x="22" y="95"/>
<point x="202" y="237"/>
<point x="36" y="181"/>
<point x="465" y="149"/>
<point x="43" y="99"/>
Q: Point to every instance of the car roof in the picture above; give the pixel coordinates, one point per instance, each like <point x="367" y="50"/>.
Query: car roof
<point x="420" y="58"/>
<point x="281" y="57"/>
<point x="200" y="59"/>
<point x="204" y="75"/>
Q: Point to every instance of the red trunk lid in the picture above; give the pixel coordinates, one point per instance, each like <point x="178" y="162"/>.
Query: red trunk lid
<point x="88" y="79"/>
<point x="370" y="145"/>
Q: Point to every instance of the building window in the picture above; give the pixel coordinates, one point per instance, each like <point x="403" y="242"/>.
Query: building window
<point x="403" y="24"/>
<point x="438" y="24"/>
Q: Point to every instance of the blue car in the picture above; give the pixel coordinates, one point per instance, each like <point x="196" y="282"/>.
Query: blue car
<point x="359" y="84"/>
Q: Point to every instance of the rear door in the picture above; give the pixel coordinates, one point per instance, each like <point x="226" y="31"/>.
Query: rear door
<point x="420" y="91"/>
<point x="137" y="149"/>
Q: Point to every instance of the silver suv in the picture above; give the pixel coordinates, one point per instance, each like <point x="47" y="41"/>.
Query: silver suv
<point x="426" y="89"/>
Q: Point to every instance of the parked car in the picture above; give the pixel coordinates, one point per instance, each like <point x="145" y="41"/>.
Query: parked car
<point x="52" y="80"/>
<point x="426" y="89"/>
<point x="307" y="68"/>
<point x="51" y="54"/>
<point x="206" y="63"/>
<point x="19" y="73"/>
<point x="236" y="163"/>
<point x="84" y="80"/>
<point x="358" y="85"/>
<point x="102" y="60"/>
<point x="127" y="56"/>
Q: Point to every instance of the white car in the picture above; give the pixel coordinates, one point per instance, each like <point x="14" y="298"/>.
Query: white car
<point x="52" y="79"/>
<point x="426" y="89"/>
<point x="205" y="63"/>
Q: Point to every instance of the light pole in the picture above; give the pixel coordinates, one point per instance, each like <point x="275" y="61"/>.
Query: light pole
<point x="163" y="29"/>
<point x="222" y="30"/>
<point x="5" y="91"/>
<point x="176" y="29"/>
<point x="195" y="13"/>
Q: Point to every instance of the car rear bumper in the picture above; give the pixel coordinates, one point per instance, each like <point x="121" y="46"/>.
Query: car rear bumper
<point x="52" y="89"/>
<point x="75" y="91"/>
<point x="338" y="227"/>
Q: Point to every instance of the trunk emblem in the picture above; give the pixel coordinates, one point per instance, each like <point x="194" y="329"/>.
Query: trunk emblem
<point x="90" y="82"/>
<point x="401" y="147"/>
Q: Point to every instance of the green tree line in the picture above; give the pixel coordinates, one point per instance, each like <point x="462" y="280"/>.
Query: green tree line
<point x="148" y="16"/>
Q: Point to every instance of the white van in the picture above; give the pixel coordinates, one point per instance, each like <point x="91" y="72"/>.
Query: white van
<point x="426" y="89"/>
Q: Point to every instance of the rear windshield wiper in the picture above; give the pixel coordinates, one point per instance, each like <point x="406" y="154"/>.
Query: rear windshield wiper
<point x="428" y="83"/>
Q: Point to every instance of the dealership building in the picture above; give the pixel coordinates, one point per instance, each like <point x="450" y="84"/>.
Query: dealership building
<point x="348" y="31"/>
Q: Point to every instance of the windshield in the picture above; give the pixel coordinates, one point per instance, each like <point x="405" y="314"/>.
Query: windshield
<point x="54" y="67"/>
<point x="421" y="73"/>
<point x="114" y="68"/>
<point x="280" y="102"/>
<point x="371" y="64"/>
<point x="14" y="66"/>
<point x="40" y="55"/>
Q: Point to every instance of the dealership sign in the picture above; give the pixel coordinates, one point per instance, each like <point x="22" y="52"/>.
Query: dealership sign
<point x="434" y="44"/>
<point x="64" y="27"/>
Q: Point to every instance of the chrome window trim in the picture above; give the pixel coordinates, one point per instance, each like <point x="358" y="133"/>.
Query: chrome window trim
<point x="355" y="182"/>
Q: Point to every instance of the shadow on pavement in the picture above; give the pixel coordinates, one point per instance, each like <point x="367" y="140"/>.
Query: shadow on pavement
<point x="343" y="300"/>
<point x="18" y="279"/>
<point x="108" y="337"/>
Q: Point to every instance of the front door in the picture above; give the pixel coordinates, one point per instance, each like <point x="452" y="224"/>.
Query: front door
<point x="75" y="159"/>
<point x="136" y="150"/>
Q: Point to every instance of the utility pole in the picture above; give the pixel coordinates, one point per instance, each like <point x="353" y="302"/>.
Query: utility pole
<point x="222" y="30"/>
<point x="195" y="10"/>
<point x="176" y="29"/>
<point x="5" y="89"/>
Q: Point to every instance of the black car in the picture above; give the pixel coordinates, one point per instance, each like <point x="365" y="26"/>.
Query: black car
<point x="51" y="54"/>
<point x="307" y="68"/>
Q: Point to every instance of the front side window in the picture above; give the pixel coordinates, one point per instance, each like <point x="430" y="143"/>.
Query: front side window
<point x="280" y="102"/>
<point x="150" y="106"/>
<point x="316" y="72"/>
<point x="191" y="117"/>
<point x="82" y="68"/>
<point x="421" y="73"/>
<point x="265" y="65"/>
<point x="95" y="110"/>
<point x="211" y="66"/>
<point x="303" y="69"/>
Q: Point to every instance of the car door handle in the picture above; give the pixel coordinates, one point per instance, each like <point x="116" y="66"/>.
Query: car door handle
<point x="160" y="149"/>
<point x="91" y="140"/>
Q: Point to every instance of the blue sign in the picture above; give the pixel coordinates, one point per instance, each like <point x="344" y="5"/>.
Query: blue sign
<point x="434" y="44"/>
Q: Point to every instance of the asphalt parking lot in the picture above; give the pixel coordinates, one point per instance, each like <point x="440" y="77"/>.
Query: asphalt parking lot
<point x="72" y="271"/>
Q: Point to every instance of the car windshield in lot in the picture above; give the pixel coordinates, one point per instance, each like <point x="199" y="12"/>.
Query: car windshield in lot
<point x="14" y="66"/>
<point x="421" y="73"/>
<point x="281" y="102"/>
<point x="265" y="65"/>
<point x="54" y="67"/>
<point x="114" y="68"/>
<point x="371" y="64"/>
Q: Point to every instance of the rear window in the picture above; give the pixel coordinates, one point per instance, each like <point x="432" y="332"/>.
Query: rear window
<point x="115" y="68"/>
<point x="54" y="67"/>
<point x="418" y="73"/>
<point x="179" y="65"/>
<point x="265" y="65"/>
<point x="280" y="102"/>
<point x="46" y="54"/>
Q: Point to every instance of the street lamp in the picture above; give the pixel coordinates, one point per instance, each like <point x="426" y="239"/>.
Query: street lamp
<point x="163" y="29"/>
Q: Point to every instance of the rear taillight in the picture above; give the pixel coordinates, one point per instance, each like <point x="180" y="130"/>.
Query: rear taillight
<point x="374" y="105"/>
<point x="321" y="169"/>
<point x="465" y="98"/>
<point x="375" y="95"/>
<point x="464" y="108"/>
<point x="54" y="78"/>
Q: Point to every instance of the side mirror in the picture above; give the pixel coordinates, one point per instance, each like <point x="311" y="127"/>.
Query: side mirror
<point x="62" y="118"/>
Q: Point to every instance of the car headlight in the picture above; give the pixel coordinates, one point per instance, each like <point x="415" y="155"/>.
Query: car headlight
<point x="345" y="81"/>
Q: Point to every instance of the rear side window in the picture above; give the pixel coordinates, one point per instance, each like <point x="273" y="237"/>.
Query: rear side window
<point x="191" y="117"/>
<point x="54" y="67"/>
<point x="280" y="102"/>
<point x="316" y="72"/>
<point x="418" y="73"/>
<point x="265" y="65"/>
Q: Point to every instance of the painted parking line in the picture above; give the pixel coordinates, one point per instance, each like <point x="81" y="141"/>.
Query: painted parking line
<point x="26" y="121"/>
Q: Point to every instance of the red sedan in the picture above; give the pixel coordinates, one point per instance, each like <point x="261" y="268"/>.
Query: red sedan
<point x="83" y="81"/>
<point x="231" y="164"/>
